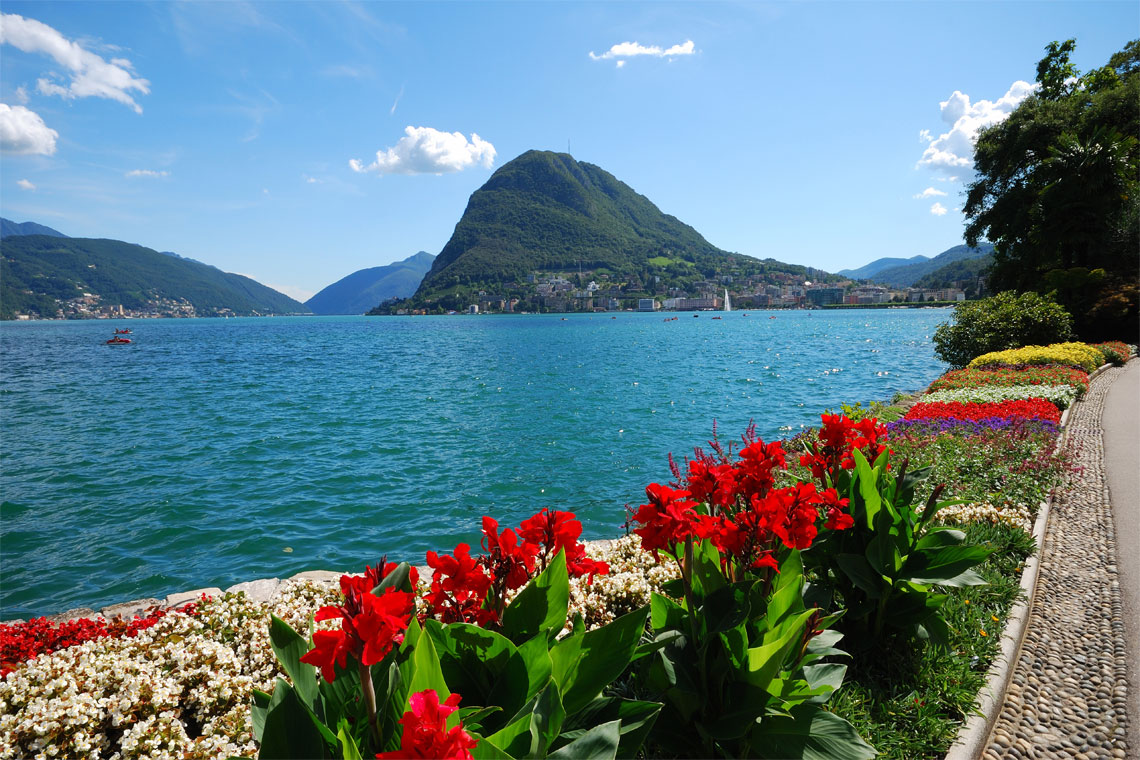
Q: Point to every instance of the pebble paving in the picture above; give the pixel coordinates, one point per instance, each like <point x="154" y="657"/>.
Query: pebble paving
<point x="1066" y="696"/>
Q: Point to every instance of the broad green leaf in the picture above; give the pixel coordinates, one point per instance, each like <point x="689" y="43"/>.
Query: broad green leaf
<point x="348" y="748"/>
<point x="485" y="750"/>
<point x="707" y="575"/>
<point x="398" y="579"/>
<point x="291" y="730"/>
<point x="939" y="537"/>
<point x="867" y="480"/>
<point x="665" y="613"/>
<point x="546" y="720"/>
<point x="599" y="743"/>
<point x="940" y="565"/>
<point x="860" y="572"/>
<point x="479" y="663"/>
<point x="637" y="718"/>
<point x="514" y="738"/>
<point x="765" y="661"/>
<point x="535" y="656"/>
<point x="584" y="665"/>
<point x="824" y="679"/>
<point x="541" y="606"/>
<point x="259" y="707"/>
<point x="428" y="673"/>
<point x="290" y="647"/>
<point x="726" y="608"/>
<point x="811" y="733"/>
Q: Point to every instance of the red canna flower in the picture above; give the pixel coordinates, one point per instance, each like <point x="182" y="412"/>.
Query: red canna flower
<point x="507" y="559"/>
<point x="370" y="625"/>
<point x="425" y="733"/>
<point x="666" y="520"/>
<point x="459" y="587"/>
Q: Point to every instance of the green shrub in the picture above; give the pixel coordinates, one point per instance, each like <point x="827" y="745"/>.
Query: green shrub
<point x="1007" y="320"/>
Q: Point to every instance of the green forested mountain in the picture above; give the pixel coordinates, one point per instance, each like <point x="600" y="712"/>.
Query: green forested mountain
<point x="40" y="275"/>
<point x="868" y="271"/>
<point x="965" y="271"/>
<point x="909" y="275"/>
<point x="548" y="213"/>
<point x="8" y="228"/>
<point x="364" y="289"/>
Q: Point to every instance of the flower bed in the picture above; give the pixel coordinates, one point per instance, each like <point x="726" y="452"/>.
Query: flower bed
<point x="1027" y="409"/>
<point x="1080" y="355"/>
<point x="1002" y="376"/>
<point x="1061" y="395"/>
<point x="1114" y="351"/>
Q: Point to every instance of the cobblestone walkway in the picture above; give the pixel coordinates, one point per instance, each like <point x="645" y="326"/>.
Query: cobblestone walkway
<point x="1066" y="697"/>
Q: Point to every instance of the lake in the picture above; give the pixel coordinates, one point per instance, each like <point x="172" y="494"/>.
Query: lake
<point x="200" y="453"/>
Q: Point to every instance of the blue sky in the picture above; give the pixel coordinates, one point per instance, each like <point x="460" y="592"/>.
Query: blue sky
<point x="298" y="143"/>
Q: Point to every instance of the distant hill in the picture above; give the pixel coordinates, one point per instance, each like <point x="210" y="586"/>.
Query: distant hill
<point x="40" y="274"/>
<point x="869" y="270"/>
<point x="966" y="270"/>
<point x="546" y="212"/>
<point x="8" y="228"/>
<point x="365" y="289"/>
<point x="908" y="275"/>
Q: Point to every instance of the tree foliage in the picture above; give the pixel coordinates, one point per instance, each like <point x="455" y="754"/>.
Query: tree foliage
<point x="1057" y="191"/>
<point x="1005" y="321"/>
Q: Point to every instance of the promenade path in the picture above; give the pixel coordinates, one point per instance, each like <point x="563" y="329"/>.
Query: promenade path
<point x="1068" y="695"/>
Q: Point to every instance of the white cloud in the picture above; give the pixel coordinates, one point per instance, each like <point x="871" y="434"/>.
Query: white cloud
<point x="424" y="150"/>
<point x="938" y="209"/>
<point x="624" y="50"/>
<point x="953" y="151"/>
<point x="396" y="102"/>
<point x="146" y="173"/>
<point x="22" y="95"/>
<point x="23" y="132"/>
<point x="25" y="184"/>
<point x="925" y="136"/>
<point x="312" y="180"/>
<point x="91" y="75"/>
<point x="930" y="192"/>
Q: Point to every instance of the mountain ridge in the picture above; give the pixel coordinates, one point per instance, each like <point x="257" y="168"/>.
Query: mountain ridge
<point x="546" y="212"/>
<point x="8" y="228"/>
<point x="365" y="288"/>
<point x="41" y="275"/>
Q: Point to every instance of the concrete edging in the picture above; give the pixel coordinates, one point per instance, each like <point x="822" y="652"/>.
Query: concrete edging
<point x="975" y="732"/>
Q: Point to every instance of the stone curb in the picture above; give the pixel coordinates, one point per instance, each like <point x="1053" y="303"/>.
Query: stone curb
<point x="974" y="735"/>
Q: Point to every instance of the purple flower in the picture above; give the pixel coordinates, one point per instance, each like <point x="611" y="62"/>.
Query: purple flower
<point x="1017" y="426"/>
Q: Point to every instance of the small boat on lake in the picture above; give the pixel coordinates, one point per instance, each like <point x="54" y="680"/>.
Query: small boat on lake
<point x="123" y="332"/>
<point x="117" y="341"/>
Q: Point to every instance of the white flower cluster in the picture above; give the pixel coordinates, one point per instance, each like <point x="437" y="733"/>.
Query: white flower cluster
<point x="633" y="576"/>
<point x="1016" y="515"/>
<point x="178" y="689"/>
<point x="1061" y="395"/>
<point x="181" y="688"/>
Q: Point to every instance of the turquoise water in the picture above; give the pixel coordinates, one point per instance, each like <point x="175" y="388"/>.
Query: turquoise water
<point x="195" y="456"/>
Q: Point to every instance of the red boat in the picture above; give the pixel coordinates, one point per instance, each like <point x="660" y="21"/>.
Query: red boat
<point x="117" y="341"/>
<point x="123" y="332"/>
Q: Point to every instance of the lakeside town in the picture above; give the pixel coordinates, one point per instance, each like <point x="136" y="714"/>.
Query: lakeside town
<point x="559" y="292"/>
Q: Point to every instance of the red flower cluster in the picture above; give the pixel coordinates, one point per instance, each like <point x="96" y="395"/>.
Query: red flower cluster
<point x="370" y="625"/>
<point x="838" y="438"/>
<point x="972" y="377"/>
<point x="20" y="642"/>
<point x="1029" y="409"/>
<point x="748" y="518"/>
<point x="473" y="590"/>
<point x="425" y="730"/>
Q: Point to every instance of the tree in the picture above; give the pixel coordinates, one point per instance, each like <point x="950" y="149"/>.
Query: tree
<point x="1004" y="321"/>
<point x="1057" y="191"/>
